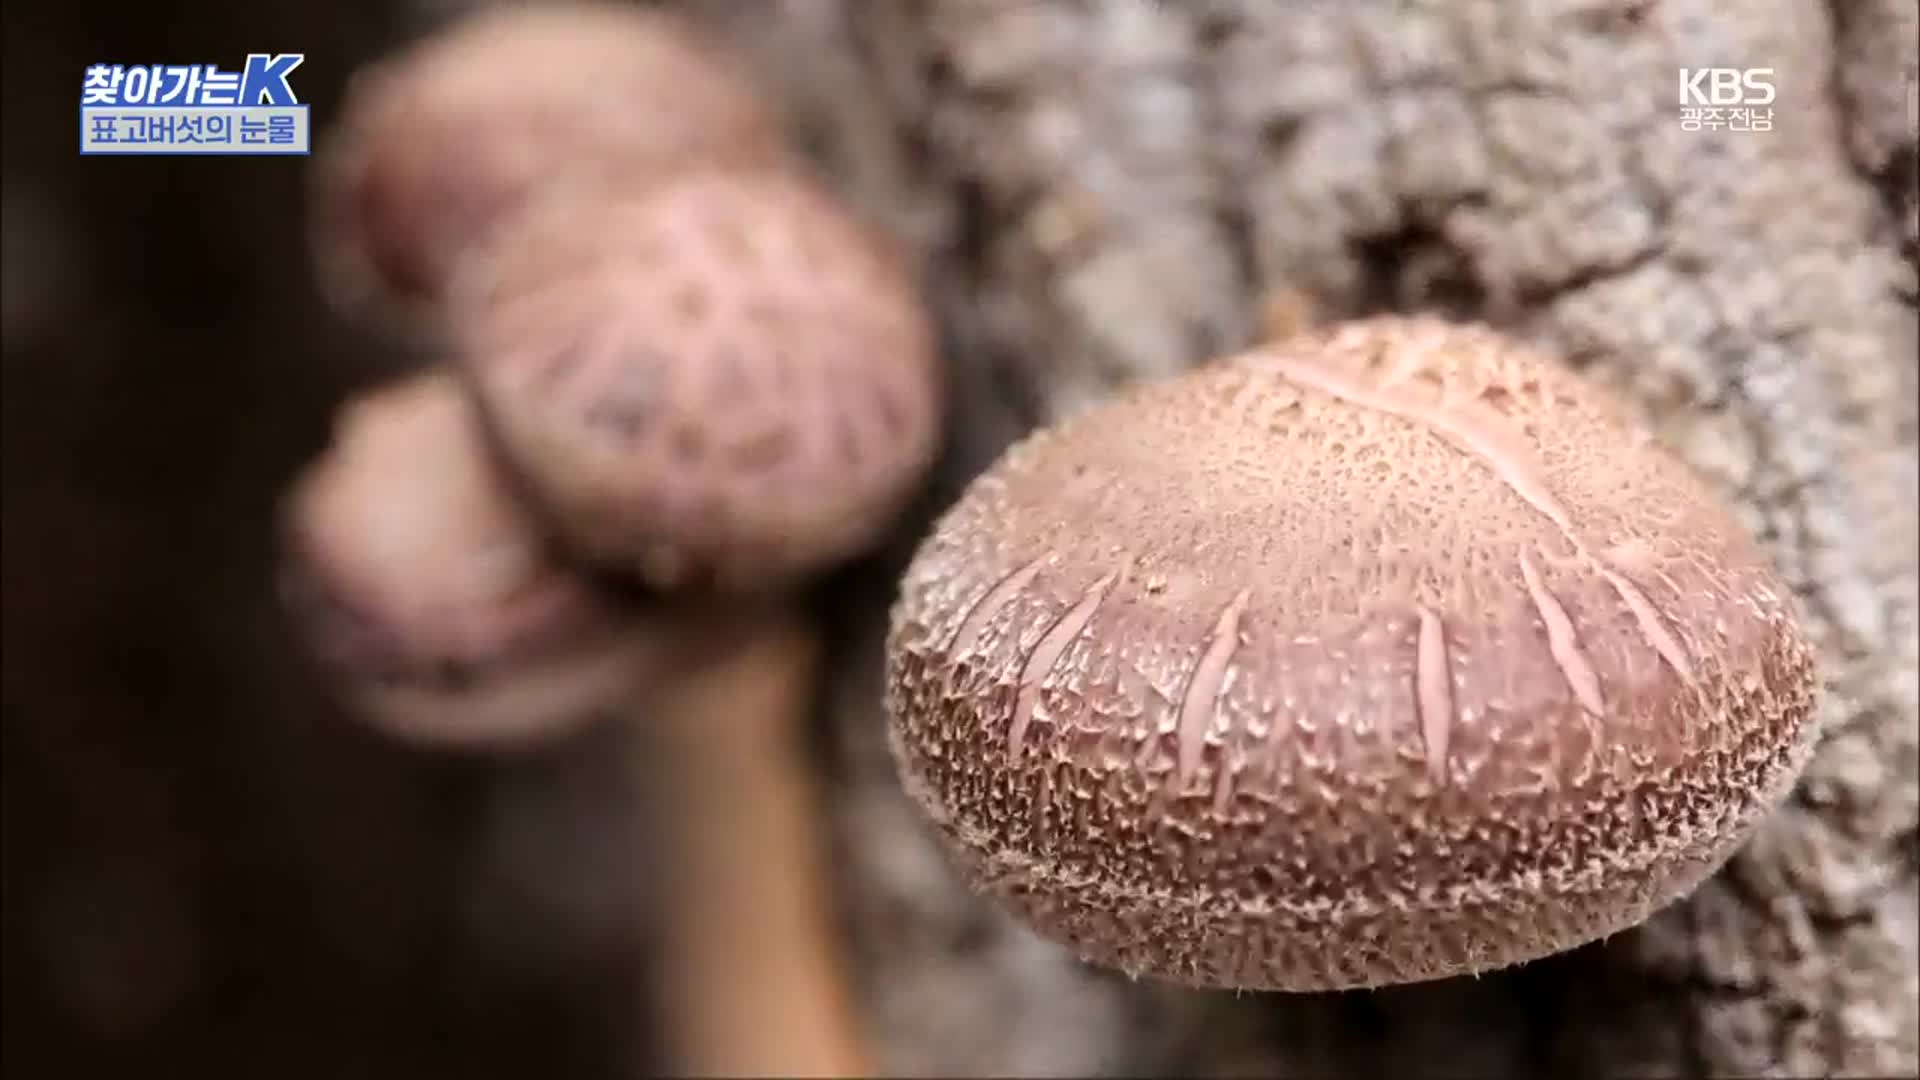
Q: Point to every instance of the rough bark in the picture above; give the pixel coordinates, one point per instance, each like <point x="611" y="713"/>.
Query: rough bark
<point x="1107" y="191"/>
<point x="1100" y="191"/>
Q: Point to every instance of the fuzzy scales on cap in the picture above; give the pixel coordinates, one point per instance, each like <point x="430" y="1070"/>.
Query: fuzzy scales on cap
<point x="1380" y="655"/>
<point x="719" y="379"/>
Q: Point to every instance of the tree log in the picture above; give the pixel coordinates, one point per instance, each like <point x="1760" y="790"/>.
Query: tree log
<point x="1097" y="192"/>
<point x="1108" y="192"/>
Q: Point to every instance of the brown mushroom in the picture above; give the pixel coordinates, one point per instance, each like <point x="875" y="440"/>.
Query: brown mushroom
<point x="424" y="586"/>
<point x="716" y="379"/>
<point x="1384" y="653"/>
<point x="425" y="590"/>
<point x="441" y="141"/>
<point x="719" y="384"/>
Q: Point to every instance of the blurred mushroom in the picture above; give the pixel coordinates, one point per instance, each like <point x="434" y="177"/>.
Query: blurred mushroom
<point x="423" y="588"/>
<point x="718" y="379"/>
<point x="440" y="142"/>
<point x="719" y="384"/>
<point x="1380" y="654"/>
<point x="715" y="384"/>
<point x="423" y="585"/>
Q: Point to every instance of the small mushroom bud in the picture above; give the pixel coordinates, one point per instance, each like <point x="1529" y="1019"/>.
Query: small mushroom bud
<point x="718" y="379"/>
<point x="1381" y="654"/>
<point x="423" y="586"/>
<point x="437" y="144"/>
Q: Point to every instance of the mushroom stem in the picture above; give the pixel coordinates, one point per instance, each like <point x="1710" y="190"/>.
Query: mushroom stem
<point x="752" y="978"/>
<point x="1287" y="311"/>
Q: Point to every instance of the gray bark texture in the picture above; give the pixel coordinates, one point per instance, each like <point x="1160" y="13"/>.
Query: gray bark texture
<point x="1099" y="192"/>
<point x="1108" y="191"/>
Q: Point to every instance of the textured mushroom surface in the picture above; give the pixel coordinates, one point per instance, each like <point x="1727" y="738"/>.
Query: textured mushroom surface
<point x="1373" y="656"/>
<point x="720" y="379"/>
<point x="439" y="142"/>
<point x="421" y="582"/>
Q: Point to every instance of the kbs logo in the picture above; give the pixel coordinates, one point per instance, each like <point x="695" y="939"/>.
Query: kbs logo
<point x="1736" y="99"/>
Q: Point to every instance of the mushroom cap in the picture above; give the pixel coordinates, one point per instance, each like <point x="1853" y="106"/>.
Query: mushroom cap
<point x="439" y="142"/>
<point x="721" y="379"/>
<point x="420" y="583"/>
<point x="1382" y="654"/>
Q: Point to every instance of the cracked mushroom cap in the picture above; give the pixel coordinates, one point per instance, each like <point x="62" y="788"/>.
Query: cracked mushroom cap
<point x="436" y="144"/>
<point x="424" y="589"/>
<point x="721" y="379"/>
<point x="1383" y="654"/>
